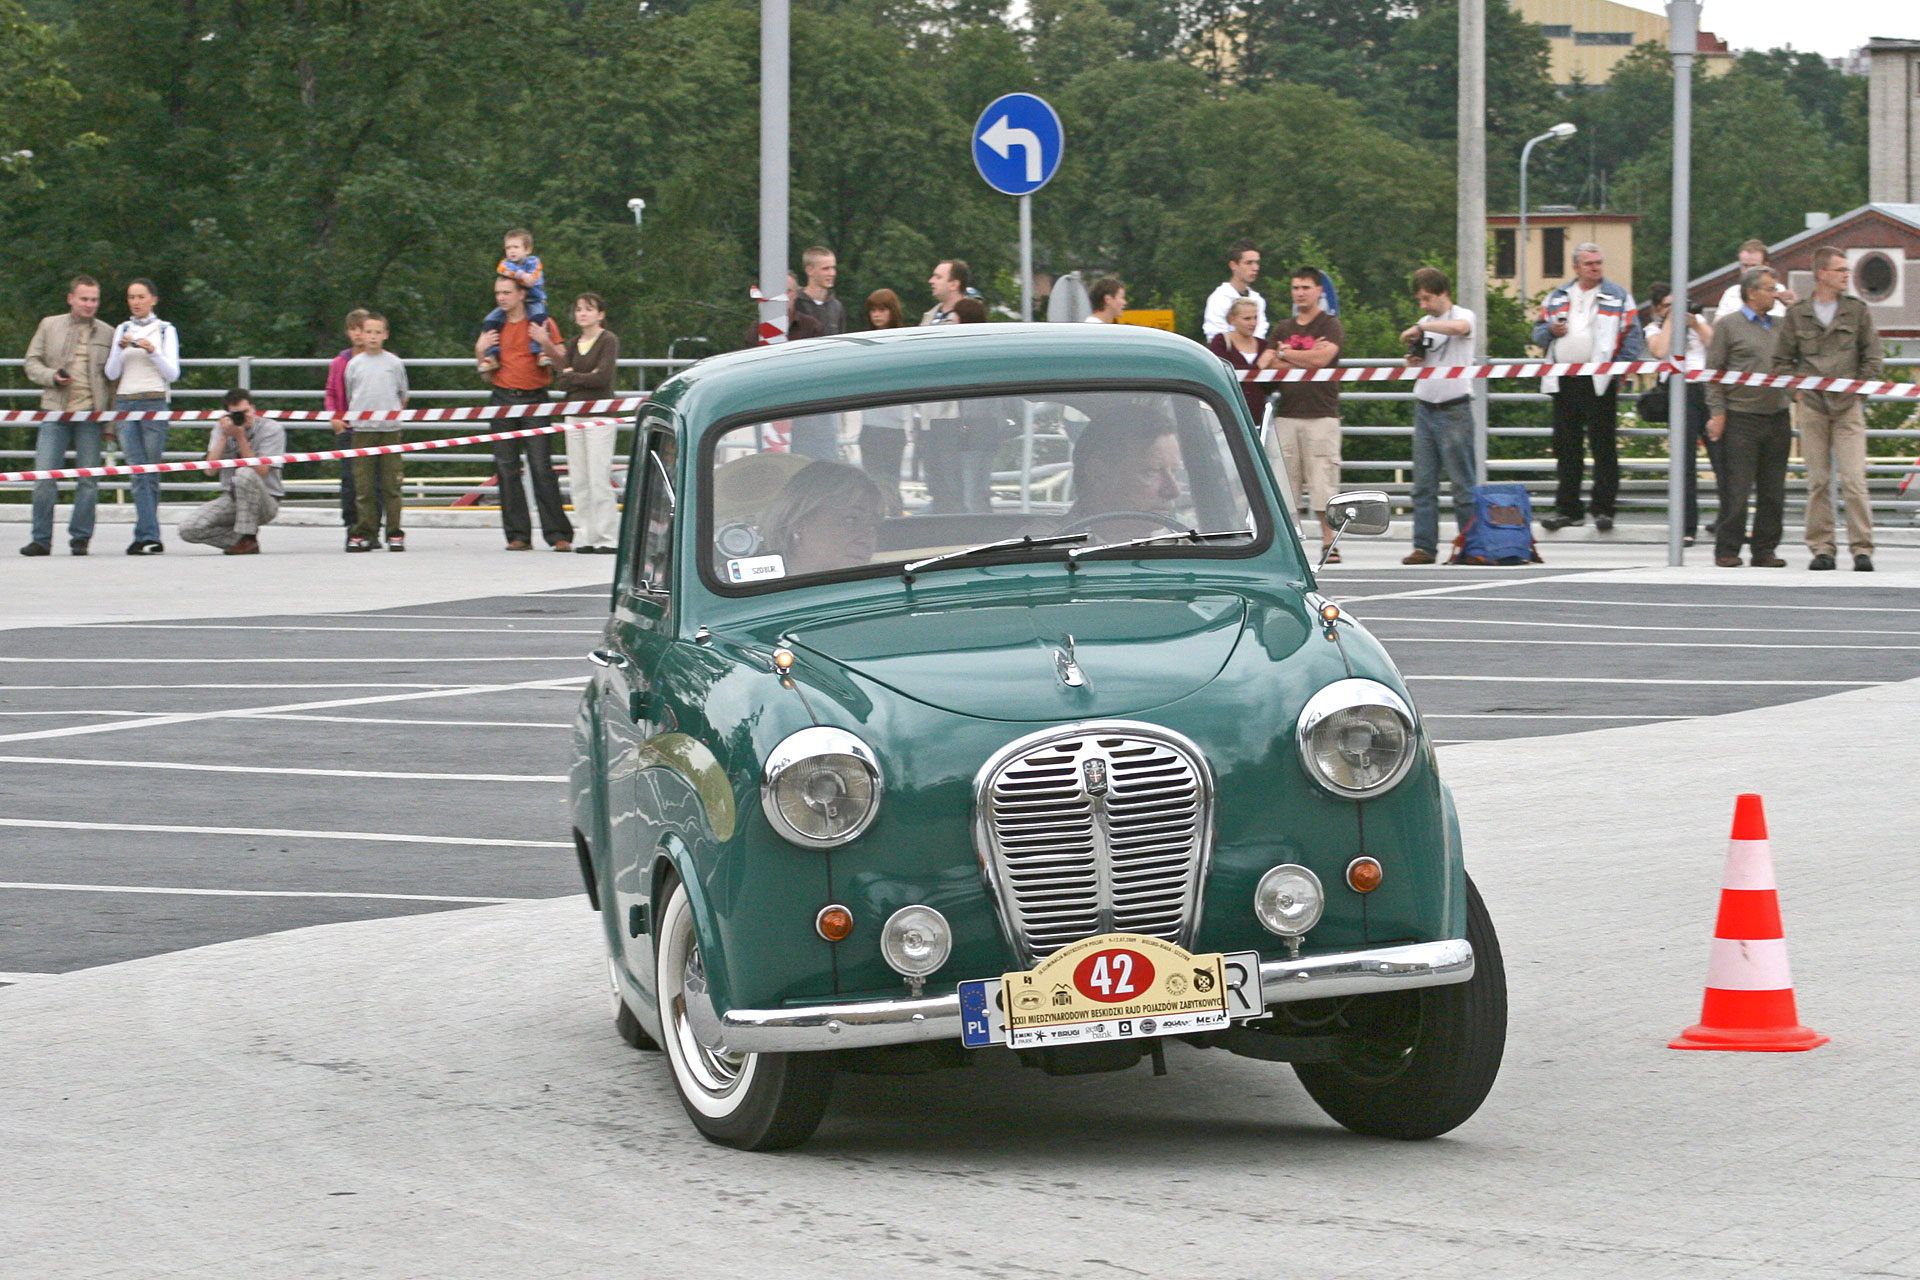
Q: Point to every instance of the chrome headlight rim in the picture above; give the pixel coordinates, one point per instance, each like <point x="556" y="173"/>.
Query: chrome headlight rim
<point x="1347" y="695"/>
<point x="1316" y="899"/>
<point x="798" y="749"/>
<point x="939" y="930"/>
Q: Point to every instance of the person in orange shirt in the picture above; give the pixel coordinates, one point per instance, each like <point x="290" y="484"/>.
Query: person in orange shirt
<point x="529" y="351"/>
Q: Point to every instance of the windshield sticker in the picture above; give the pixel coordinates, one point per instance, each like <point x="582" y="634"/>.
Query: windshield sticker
<point x="756" y="569"/>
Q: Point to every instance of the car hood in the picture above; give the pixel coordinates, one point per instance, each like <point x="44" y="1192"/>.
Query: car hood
<point x="1009" y="661"/>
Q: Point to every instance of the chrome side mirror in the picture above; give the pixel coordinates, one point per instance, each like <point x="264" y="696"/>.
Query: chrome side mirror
<point x="1363" y="512"/>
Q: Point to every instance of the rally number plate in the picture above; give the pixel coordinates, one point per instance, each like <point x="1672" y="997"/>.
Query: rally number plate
<point x="1115" y="987"/>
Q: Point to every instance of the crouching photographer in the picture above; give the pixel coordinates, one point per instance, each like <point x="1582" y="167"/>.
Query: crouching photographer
<point x="250" y="495"/>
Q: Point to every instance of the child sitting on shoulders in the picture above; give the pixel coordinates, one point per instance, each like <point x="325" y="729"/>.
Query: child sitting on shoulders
<point x="520" y="264"/>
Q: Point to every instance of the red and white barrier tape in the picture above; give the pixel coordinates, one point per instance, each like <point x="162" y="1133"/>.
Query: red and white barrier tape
<point x="1617" y="368"/>
<point x="464" y="413"/>
<point x="279" y="459"/>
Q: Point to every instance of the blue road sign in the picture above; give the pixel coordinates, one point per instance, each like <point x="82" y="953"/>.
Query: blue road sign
<point x="1017" y="144"/>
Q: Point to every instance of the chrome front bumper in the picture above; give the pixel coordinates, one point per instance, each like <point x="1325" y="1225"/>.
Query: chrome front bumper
<point x="865" y="1023"/>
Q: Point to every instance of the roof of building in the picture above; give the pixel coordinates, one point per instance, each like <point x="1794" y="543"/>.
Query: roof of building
<point x="1904" y="213"/>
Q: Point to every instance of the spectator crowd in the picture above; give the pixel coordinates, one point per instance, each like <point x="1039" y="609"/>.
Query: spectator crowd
<point x="525" y="357"/>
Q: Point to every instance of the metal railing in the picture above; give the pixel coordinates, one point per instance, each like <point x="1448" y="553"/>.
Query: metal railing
<point x="1643" y="480"/>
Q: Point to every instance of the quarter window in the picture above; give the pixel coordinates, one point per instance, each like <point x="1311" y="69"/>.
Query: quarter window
<point x="653" y="540"/>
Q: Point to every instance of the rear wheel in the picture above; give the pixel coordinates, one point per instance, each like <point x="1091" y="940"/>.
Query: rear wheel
<point x="754" y="1101"/>
<point x="1416" y="1064"/>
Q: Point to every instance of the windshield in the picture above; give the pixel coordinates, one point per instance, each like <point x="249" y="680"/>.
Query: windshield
<point x="878" y="487"/>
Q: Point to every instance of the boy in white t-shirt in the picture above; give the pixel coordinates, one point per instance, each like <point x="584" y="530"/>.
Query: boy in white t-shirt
<point x="1442" y="411"/>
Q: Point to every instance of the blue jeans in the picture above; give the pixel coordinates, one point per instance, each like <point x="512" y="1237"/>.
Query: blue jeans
<point x="145" y="440"/>
<point x="1442" y="435"/>
<point x="50" y="452"/>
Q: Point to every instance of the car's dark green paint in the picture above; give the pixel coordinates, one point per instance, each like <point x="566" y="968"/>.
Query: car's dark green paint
<point x="938" y="674"/>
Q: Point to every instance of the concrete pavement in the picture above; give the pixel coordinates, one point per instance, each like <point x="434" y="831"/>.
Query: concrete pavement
<point x="443" y="1094"/>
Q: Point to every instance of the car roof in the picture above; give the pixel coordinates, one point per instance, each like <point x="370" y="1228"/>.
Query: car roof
<point x="944" y="357"/>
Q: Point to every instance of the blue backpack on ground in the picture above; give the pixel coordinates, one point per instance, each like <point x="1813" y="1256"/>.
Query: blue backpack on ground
<point x="1500" y="530"/>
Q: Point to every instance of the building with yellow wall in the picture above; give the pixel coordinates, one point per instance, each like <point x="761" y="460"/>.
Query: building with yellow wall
<point x="1551" y="237"/>
<point x="1587" y="38"/>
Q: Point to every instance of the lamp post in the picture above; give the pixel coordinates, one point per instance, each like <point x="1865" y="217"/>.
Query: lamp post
<point x="1683" y="31"/>
<point x="1561" y="130"/>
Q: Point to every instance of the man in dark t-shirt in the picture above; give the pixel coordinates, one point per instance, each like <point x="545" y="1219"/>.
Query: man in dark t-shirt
<point x="1306" y="422"/>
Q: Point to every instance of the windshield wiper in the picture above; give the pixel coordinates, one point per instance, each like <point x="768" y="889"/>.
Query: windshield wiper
<point x="1023" y="543"/>
<point x="1181" y="535"/>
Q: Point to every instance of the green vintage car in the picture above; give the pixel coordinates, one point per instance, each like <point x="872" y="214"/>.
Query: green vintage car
<point x="1045" y="745"/>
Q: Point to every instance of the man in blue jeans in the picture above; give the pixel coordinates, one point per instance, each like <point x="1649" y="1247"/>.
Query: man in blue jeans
<point x="1442" y="411"/>
<point x="68" y="357"/>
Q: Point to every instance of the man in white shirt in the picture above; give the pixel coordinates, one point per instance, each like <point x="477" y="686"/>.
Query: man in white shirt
<point x="1753" y="254"/>
<point x="1587" y="319"/>
<point x="1442" y="411"/>
<point x="1109" y="299"/>
<point x="1243" y="268"/>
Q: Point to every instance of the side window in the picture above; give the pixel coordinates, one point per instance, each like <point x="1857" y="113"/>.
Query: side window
<point x="651" y="568"/>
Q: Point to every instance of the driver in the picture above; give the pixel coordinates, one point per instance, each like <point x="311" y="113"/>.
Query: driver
<point x="1126" y="479"/>
<point x="826" y="517"/>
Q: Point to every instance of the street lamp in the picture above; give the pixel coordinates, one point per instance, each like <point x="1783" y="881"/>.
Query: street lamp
<point x="1561" y="130"/>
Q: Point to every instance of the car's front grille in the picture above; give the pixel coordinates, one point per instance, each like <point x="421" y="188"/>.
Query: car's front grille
<point x="1095" y="828"/>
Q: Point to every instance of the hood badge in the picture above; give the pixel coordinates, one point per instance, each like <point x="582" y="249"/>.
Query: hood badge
<point x="1095" y="771"/>
<point x="1065" y="667"/>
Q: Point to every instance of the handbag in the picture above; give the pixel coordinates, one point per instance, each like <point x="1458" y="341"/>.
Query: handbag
<point x="1653" y="402"/>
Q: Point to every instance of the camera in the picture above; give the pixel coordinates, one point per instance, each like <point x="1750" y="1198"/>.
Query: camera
<point x="238" y="417"/>
<point x="1417" y="345"/>
<point x="1696" y="308"/>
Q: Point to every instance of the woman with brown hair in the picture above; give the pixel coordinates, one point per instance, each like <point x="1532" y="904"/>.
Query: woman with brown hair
<point x="587" y="374"/>
<point x="1241" y="348"/>
<point x="883" y="430"/>
<point x="825" y="518"/>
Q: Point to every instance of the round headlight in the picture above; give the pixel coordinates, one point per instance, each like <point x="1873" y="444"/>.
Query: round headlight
<point x="1357" y="737"/>
<point x="1288" y="900"/>
<point x="821" y="787"/>
<point x="915" y="941"/>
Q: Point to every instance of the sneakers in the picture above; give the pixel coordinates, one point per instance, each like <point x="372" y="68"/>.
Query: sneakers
<point x="36" y="549"/>
<point x="396" y="542"/>
<point x="361" y="544"/>
<point x="486" y="365"/>
<point x="245" y="545"/>
<point x="1419" y="557"/>
<point x="1821" y="561"/>
<point x="1556" y="522"/>
<point x="1862" y="563"/>
<point x="1603" y="523"/>
<point x="145" y="548"/>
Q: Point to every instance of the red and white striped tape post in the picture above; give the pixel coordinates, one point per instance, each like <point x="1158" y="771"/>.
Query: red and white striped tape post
<point x="280" y="459"/>
<point x="462" y="413"/>
<point x="1749" y="1002"/>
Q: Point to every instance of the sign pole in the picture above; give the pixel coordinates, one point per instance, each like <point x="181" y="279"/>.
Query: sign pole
<point x="1026" y="258"/>
<point x="1683" y="25"/>
<point x="1470" y="207"/>
<point x="774" y="27"/>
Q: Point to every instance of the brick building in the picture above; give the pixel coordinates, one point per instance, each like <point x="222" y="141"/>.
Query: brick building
<point x="1882" y="244"/>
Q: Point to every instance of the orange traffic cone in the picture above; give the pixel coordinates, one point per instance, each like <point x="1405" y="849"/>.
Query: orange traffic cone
<point x="1749" y="1003"/>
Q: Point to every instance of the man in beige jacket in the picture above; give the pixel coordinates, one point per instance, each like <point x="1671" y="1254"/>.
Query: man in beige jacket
<point x="68" y="356"/>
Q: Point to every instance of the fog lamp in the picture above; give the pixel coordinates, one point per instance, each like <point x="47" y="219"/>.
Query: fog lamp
<point x="915" y="941"/>
<point x="1288" y="900"/>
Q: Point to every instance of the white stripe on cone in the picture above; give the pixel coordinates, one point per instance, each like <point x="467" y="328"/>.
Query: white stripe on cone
<point x="1749" y="865"/>
<point x="1758" y="964"/>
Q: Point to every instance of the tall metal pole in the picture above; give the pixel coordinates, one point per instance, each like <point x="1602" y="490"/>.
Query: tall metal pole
<point x="1026" y="259"/>
<point x="1520" y="249"/>
<point x="1683" y="26"/>
<point x="774" y="26"/>
<point x="1470" y="204"/>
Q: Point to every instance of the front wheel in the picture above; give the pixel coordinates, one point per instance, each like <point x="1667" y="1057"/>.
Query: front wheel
<point x="1416" y="1064"/>
<point x="754" y="1101"/>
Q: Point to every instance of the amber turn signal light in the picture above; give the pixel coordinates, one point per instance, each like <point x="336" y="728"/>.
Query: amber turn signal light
<point x="1364" y="875"/>
<point x="783" y="659"/>
<point x="834" y="923"/>
<point x="1330" y="612"/>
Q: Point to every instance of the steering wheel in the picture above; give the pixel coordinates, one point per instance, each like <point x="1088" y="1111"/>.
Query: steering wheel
<point x="1086" y="523"/>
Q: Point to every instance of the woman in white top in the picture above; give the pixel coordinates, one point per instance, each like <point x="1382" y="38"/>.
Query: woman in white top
<point x="144" y="358"/>
<point x="1655" y="321"/>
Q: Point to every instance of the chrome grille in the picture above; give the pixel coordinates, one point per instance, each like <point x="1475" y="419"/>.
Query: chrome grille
<point x="1095" y="828"/>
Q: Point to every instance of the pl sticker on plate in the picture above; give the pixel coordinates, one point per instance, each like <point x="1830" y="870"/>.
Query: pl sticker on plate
<point x="1120" y="986"/>
<point x="756" y="569"/>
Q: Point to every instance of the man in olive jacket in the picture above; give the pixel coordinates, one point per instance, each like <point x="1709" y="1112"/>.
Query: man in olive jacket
<point x="68" y="356"/>
<point x="1831" y="335"/>
<point x="1756" y="422"/>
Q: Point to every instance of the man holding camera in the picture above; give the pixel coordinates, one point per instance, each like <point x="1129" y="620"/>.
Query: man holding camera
<point x="1442" y="411"/>
<point x="68" y="356"/>
<point x="250" y="495"/>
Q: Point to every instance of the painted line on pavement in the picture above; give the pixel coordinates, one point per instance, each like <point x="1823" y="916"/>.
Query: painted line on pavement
<point x="242" y="893"/>
<point x="189" y="717"/>
<point x="308" y="659"/>
<point x="1688" y="604"/>
<point x="1629" y="626"/>
<point x="1809" y="647"/>
<point x="1701" y="684"/>
<point x="457" y="617"/>
<point x="282" y="833"/>
<point x="262" y="684"/>
<point x="13" y="978"/>
<point x="1465" y="586"/>
<point x="306" y="773"/>
<point x="81" y="713"/>
<point x="455" y="724"/>
<point x="465" y="631"/>
<point x="1537" y="715"/>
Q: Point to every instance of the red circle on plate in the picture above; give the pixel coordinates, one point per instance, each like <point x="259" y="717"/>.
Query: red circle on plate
<point x="1114" y="976"/>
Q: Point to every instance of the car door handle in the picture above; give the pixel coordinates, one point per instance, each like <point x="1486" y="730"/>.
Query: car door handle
<point x="608" y="658"/>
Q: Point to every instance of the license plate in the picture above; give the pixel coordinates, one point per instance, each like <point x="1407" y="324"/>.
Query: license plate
<point x="1115" y="1004"/>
